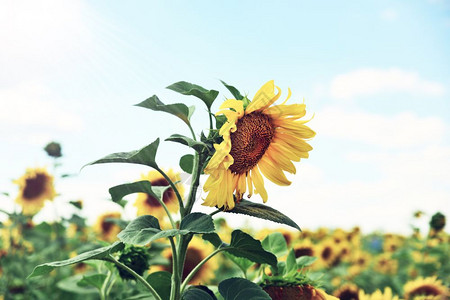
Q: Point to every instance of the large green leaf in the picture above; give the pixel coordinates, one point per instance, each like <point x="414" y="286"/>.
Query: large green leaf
<point x="161" y="282"/>
<point x="145" y="156"/>
<point x="197" y="223"/>
<point x="291" y="264"/>
<point x="241" y="289"/>
<point x="244" y="245"/>
<point x="178" y="109"/>
<point x="101" y="254"/>
<point x="234" y="91"/>
<point x="186" y="88"/>
<point x="119" y="191"/>
<point x="95" y="280"/>
<point x="275" y="243"/>
<point x="198" y="293"/>
<point x="213" y="238"/>
<point x="304" y="261"/>
<point x="178" y="138"/>
<point x="263" y="212"/>
<point x="187" y="163"/>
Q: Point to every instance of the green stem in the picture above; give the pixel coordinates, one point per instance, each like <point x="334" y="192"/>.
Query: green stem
<point x="137" y="276"/>
<point x="172" y="185"/>
<point x="197" y="267"/>
<point x="192" y="132"/>
<point x="103" y="290"/>
<point x="167" y="212"/>
<point x="196" y="172"/>
<point x="175" y="286"/>
<point x="215" y="212"/>
<point x="210" y="123"/>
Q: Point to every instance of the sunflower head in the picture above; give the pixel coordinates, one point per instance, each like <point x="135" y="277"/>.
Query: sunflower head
<point x="53" y="149"/>
<point x="135" y="258"/>
<point x="35" y="187"/>
<point x="106" y="228"/>
<point x="347" y="292"/>
<point x="258" y="139"/>
<point x="437" y="222"/>
<point x="378" y="295"/>
<point x="429" y="288"/>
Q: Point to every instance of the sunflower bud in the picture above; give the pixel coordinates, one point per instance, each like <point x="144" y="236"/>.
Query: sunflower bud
<point x="135" y="258"/>
<point x="53" y="149"/>
<point x="437" y="221"/>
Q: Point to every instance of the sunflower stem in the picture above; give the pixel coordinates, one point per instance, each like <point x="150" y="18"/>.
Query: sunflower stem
<point x="167" y="212"/>
<point x="172" y="185"/>
<point x="196" y="172"/>
<point x="197" y="267"/>
<point x="215" y="212"/>
<point x="182" y="251"/>
<point x="175" y="286"/>
<point x="137" y="276"/>
<point x="192" y="132"/>
<point x="104" y="289"/>
<point x="210" y="123"/>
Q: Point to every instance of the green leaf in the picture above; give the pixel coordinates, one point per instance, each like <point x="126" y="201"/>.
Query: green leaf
<point x="197" y="223"/>
<point x="197" y="146"/>
<point x="243" y="245"/>
<point x="291" y="264"/>
<point x="263" y="212"/>
<point x="241" y="262"/>
<point x="187" y="163"/>
<point x="70" y="284"/>
<point x="101" y="253"/>
<point x="178" y="109"/>
<point x="304" y="261"/>
<point x="220" y="120"/>
<point x="213" y="238"/>
<point x="275" y="243"/>
<point x="119" y="191"/>
<point x="241" y="289"/>
<point x="198" y="293"/>
<point x="95" y="280"/>
<point x="234" y="91"/>
<point x="186" y="88"/>
<point x="144" y="156"/>
<point x="161" y="282"/>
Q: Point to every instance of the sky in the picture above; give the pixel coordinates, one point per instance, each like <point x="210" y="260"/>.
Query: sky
<point x="374" y="76"/>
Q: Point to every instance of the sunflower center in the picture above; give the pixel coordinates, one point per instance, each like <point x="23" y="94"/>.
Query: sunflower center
<point x="348" y="294"/>
<point x="426" y="290"/>
<point x="326" y="253"/>
<point x="168" y="194"/>
<point x="303" y="251"/>
<point x="249" y="142"/>
<point x="34" y="186"/>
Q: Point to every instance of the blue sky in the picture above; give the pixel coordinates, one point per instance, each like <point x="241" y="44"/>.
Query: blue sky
<point x="375" y="75"/>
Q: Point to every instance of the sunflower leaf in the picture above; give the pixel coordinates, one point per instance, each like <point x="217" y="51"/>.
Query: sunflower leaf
<point x="275" y="243"/>
<point x="304" y="261"/>
<point x="291" y="264"/>
<point x="198" y="293"/>
<point x="213" y="238"/>
<point x="241" y="289"/>
<point x="119" y="191"/>
<point x="186" y="88"/>
<point x="187" y="163"/>
<point x="100" y="253"/>
<point x="243" y="245"/>
<point x="95" y="280"/>
<point x="196" y="145"/>
<point x="197" y="223"/>
<point x="262" y="211"/>
<point x="161" y="282"/>
<point x="234" y="91"/>
<point x="177" y="109"/>
<point x="144" y="156"/>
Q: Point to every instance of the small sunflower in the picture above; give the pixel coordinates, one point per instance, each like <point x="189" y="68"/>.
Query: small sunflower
<point x="149" y="205"/>
<point x="259" y="138"/>
<point x="106" y="229"/>
<point x="378" y="295"/>
<point x="429" y="288"/>
<point x="304" y="292"/>
<point x="385" y="264"/>
<point x="326" y="253"/>
<point x="304" y="248"/>
<point x="35" y="186"/>
<point x="347" y="292"/>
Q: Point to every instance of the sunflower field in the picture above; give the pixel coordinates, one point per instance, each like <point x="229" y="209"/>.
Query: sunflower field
<point x="167" y="251"/>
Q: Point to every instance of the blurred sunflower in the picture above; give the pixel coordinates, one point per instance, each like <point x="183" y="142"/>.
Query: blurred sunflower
<point x="378" y="295"/>
<point x="429" y="288"/>
<point x="304" y="248"/>
<point x="297" y="292"/>
<point x="149" y="205"/>
<point x="259" y="138"/>
<point x="359" y="261"/>
<point x="105" y="228"/>
<point x="392" y="243"/>
<point x="35" y="186"/>
<point x="384" y="263"/>
<point x="348" y="291"/>
<point x="326" y="253"/>
<point x="196" y="252"/>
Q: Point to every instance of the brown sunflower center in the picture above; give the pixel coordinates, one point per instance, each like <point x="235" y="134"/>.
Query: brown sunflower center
<point x="348" y="294"/>
<point x="34" y="186"/>
<point x="303" y="251"/>
<point x="168" y="194"/>
<point x="426" y="290"/>
<point x="326" y="253"/>
<point x="250" y="141"/>
<point x="107" y="225"/>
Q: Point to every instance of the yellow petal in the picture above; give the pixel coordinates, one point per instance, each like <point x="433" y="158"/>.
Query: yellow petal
<point x="279" y="158"/>
<point x="237" y="105"/>
<point x="264" y="97"/>
<point x="294" y="110"/>
<point x="249" y="184"/>
<point x="259" y="184"/>
<point x="274" y="174"/>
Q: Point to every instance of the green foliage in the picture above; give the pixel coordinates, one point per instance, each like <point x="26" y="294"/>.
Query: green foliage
<point x="241" y="289"/>
<point x="275" y="243"/>
<point x="198" y="293"/>
<point x="144" y="186"/>
<point x="161" y="282"/>
<point x="178" y="138"/>
<point x="186" y="88"/>
<point x="187" y="163"/>
<point x="179" y="110"/>
<point x="136" y="258"/>
<point x="234" y="91"/>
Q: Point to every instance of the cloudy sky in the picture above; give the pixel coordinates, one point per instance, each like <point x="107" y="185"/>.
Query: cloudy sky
<point x="375" y="76"/>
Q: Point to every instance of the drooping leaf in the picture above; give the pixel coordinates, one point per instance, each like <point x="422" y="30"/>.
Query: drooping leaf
<point x="178" y="138"/>
<point x="186" y="88"/>
<point x="161" y="282"/>
<point x="234" y="91"/>
<point x="187" y="163"/>
<point x="241" y="289"/>
<point x="197" y="223"/>
<point x="119" y="191"/>
<point x="244" y="245"/>
<point x="241" y="262"/>
<point x="304" y="261"/>
<point x="95" y="280"/>
<point x="101" y="254"/>
<point x="198" y="293"/>
<point x="275" y="243"/>
<point x="263" y="212"/>
<point x="213" y="238"/>
<point x="144" y="156"/>
<point x="178" y="109"/>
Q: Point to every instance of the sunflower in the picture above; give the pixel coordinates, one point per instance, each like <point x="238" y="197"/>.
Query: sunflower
<point x="106" y="229"/>
<point x="385" y="264"/>
<point x="304" y="292"/>
<point x="347" y="292"/>
<point x="378" y="295"/>
<point x="326" y="253"/>
<point x="259" y="138"/>
<point x="35" y="186"/>
<point x="149" y="205"/>
<point x="359" y="262"/>
<point x="429" y="288"/>
<point x="304" y="248"/>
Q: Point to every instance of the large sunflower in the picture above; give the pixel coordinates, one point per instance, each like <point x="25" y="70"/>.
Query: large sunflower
<point x="35" y="186"/>
<point x="429" y="288"/>
<point x="148" y="205"/>
<point x="259" y="138"/>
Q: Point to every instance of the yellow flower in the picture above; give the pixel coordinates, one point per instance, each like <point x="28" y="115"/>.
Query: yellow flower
<point x="385" y="264"/>
<point x="304" y="292"/>
<point x="257" y="139"/>
<point x="347" y="291"/>
<point x="429" y="288"/>
<point x="304" y="248"/>
<point x="35" y="186"/>
<point x="149" y="205"/>
<point x="106" y="229"/>
<point x="378" y="295"/>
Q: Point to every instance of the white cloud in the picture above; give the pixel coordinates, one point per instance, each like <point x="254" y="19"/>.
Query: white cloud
<point x="389" y="14"/>
<point x="369" y="81"/>
<point x="402" y="130"/>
